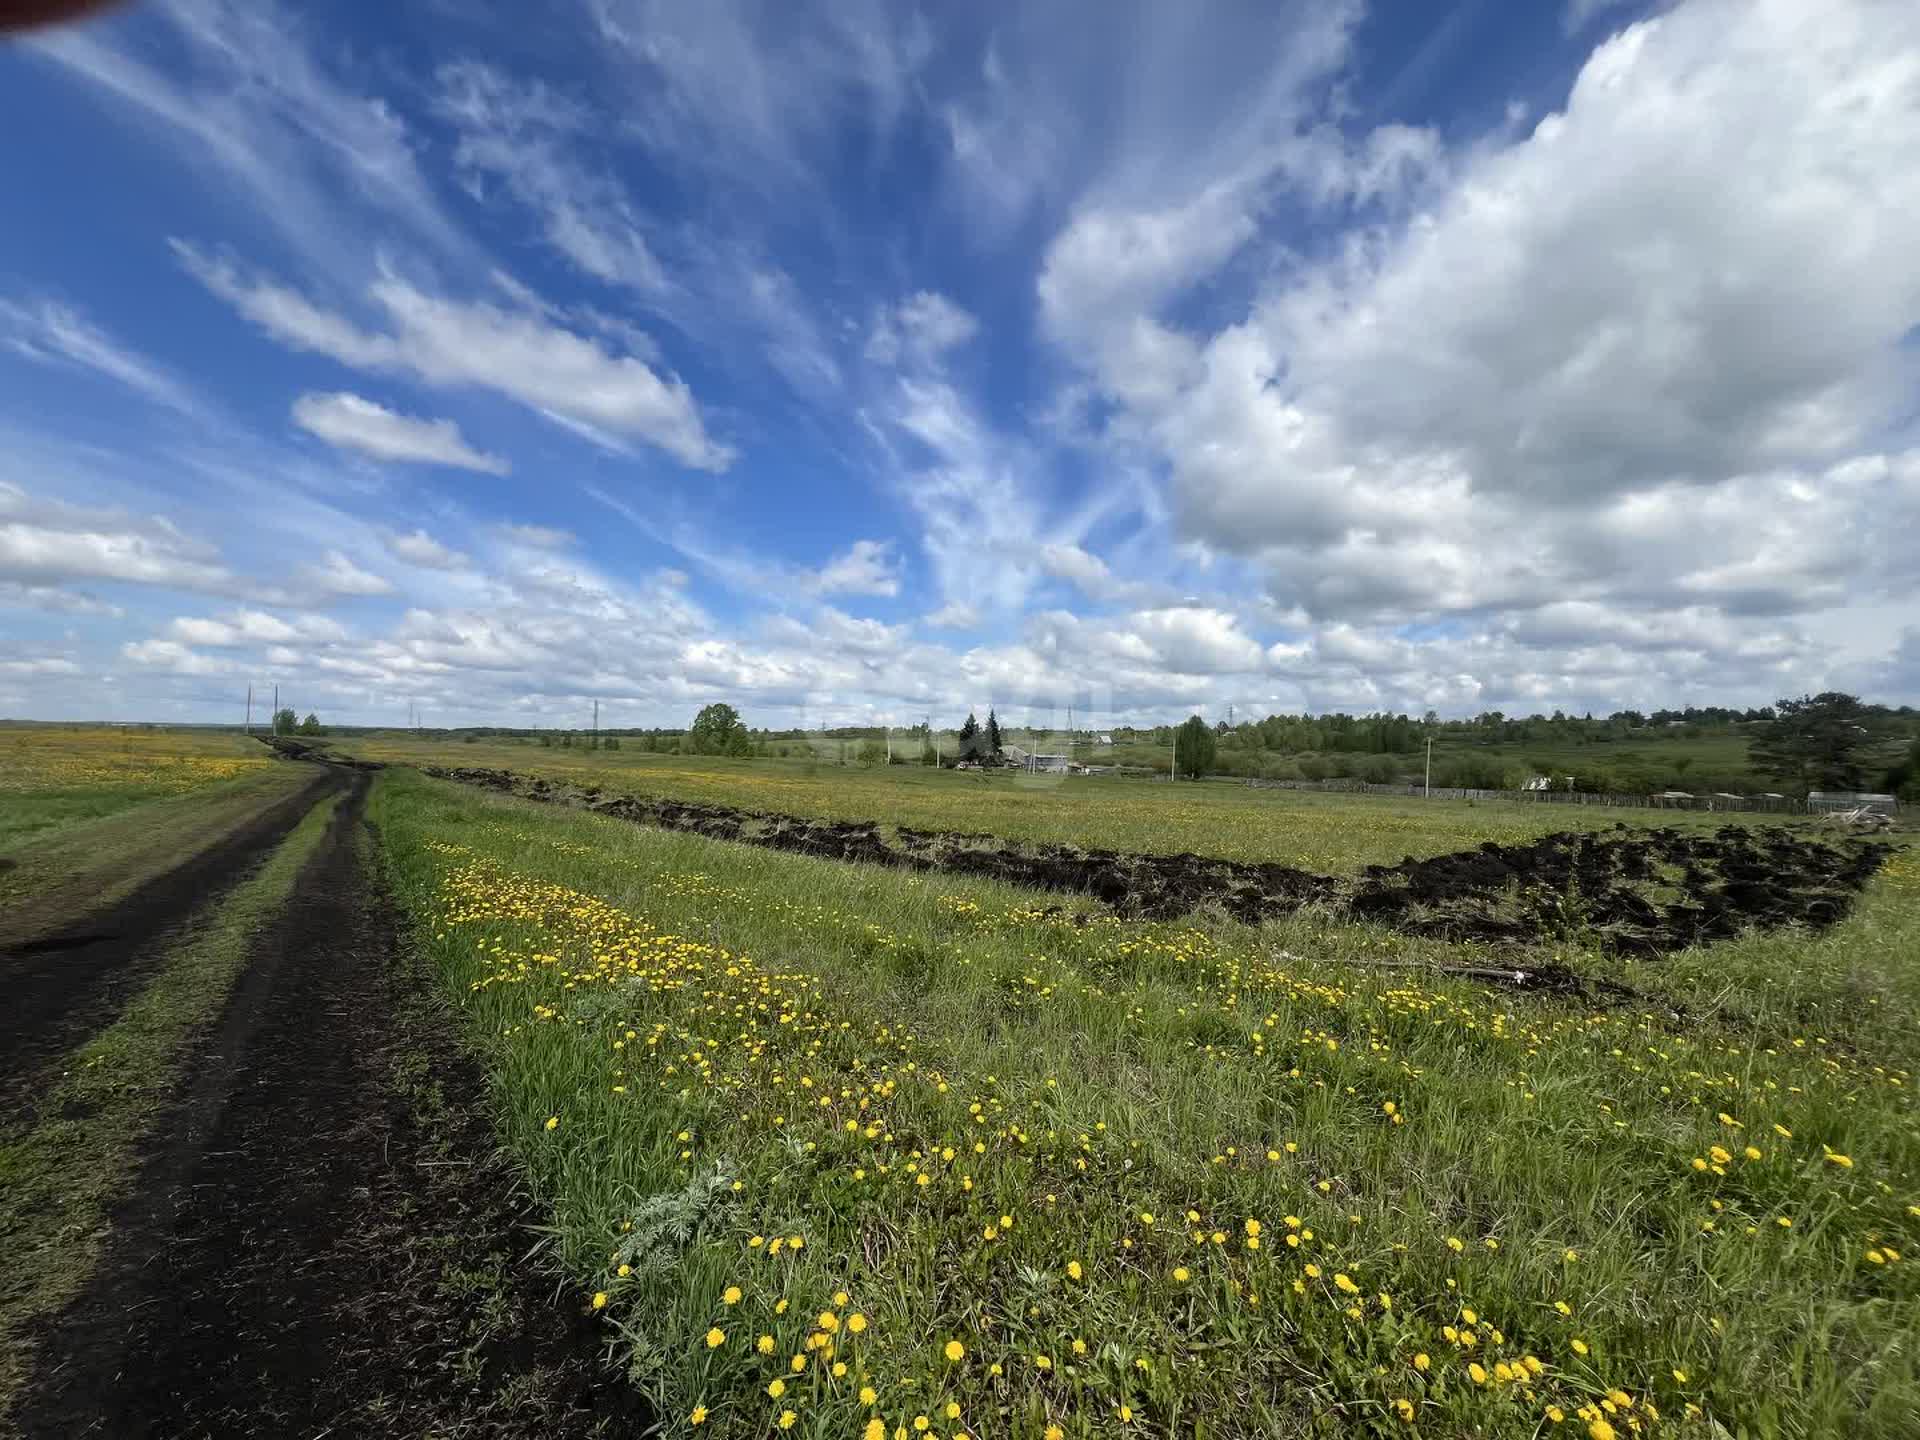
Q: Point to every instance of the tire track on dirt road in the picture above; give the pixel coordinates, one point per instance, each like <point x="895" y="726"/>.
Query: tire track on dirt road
<point x="282" y="1265"/>
<point x="65" y="987"/>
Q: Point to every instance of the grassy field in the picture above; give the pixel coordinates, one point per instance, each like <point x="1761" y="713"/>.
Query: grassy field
<point x="55" y="776"/>
<point x="841" y="1151"/>
<point x="1324" y="833"/>
<point x="89" y="813"/>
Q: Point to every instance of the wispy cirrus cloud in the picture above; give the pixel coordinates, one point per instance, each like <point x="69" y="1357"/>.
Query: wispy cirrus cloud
<point x="51" y="333"/>
<point x="525" y="356"/>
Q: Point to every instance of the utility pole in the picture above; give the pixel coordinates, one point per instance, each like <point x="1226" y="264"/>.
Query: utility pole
<point x="249" y="709"/>
<point x="889" y="746"/>
<point x="1173" y="756"/>
<point x="275" y="727"/>
<point x="1429" y="794"/>
<point x="596" y="724"/>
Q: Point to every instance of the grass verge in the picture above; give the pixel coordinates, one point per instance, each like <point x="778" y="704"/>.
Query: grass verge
<point x="60" y="1179"/>
<point x="836" y="1151"/>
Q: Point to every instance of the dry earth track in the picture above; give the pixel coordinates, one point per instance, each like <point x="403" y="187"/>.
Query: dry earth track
<point x="323" y="1238"/>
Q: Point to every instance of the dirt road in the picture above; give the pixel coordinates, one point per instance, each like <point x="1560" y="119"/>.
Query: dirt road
<point x="63" y="987"/>
<point x="322" y="1239"/>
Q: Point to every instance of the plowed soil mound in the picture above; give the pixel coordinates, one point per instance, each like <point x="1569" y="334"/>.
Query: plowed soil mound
<point x="1642" y="891"/>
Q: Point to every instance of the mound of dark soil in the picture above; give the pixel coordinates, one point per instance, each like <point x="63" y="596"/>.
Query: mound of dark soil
<point x="1609" y="885"/>
<point x="1644" y="892"/>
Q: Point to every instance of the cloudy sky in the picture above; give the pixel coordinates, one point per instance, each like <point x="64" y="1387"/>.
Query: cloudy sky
<point x="854" y="361"/>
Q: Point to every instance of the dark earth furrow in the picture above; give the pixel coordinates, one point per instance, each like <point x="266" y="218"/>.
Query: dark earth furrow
<point x="323" y="1238"/>
<point x="1603" y="886"/>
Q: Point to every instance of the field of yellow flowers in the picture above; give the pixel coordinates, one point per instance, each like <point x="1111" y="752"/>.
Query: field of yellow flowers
<point x="51" y="775"/>
<point x="834" y="1151"/>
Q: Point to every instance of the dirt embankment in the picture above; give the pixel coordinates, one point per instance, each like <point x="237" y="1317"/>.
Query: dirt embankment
<point x="323" y="1237"/>
<point x="1641" y="891"/>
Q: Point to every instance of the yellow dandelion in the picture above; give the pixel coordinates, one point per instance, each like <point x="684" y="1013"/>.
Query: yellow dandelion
<point x="955" y="1350"/>
<point x="716" y="1337"/>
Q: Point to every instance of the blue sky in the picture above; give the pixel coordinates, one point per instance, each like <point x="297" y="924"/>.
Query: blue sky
<point x="858" y="361"/>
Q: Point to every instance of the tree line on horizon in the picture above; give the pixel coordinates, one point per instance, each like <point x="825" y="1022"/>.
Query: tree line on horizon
<point x="1832" y="741"/>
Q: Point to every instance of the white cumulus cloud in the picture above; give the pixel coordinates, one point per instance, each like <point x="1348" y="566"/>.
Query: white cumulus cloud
<point x="352" y="422"/>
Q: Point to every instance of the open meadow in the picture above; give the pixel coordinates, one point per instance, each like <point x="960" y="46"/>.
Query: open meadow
<point x="87" y="813"/>
<point x="1307" y="830"/>
<point x="896" y="1151"/>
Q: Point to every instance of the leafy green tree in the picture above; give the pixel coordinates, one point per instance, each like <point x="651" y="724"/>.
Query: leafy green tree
<point x="1818" y="742"/>
<point x="1903" y="780"/>
<point x="285" y="721"/>
<point x="718" y="730"/>
<point x="1193" y="748"/>
<point x="311" y="725"/>
<point x="993" y="733"/>
<point x="970" y="738"/>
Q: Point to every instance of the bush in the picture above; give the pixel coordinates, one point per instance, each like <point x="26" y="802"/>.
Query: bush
<point x="1378" y="770"/>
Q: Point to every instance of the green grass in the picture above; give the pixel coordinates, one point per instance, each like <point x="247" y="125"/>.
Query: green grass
<point x="56" y="872"/>
<point x="1327" y="834"/>
<point x="55" y="776"/>
<point x="697" y="1048"/>
<point x="60" y="1178"/>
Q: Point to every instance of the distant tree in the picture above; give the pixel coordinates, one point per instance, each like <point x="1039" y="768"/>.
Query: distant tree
<point x="718" y="730"/>
<point x="1818" y="742"/>
<point x="993" y="733"/>
<point x="970" y="738"/>
<point x="285" y="722"/>
<point x="1193" y="748"/>
<point x="311" y="725"/>
<point x="1903" y="780"/>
